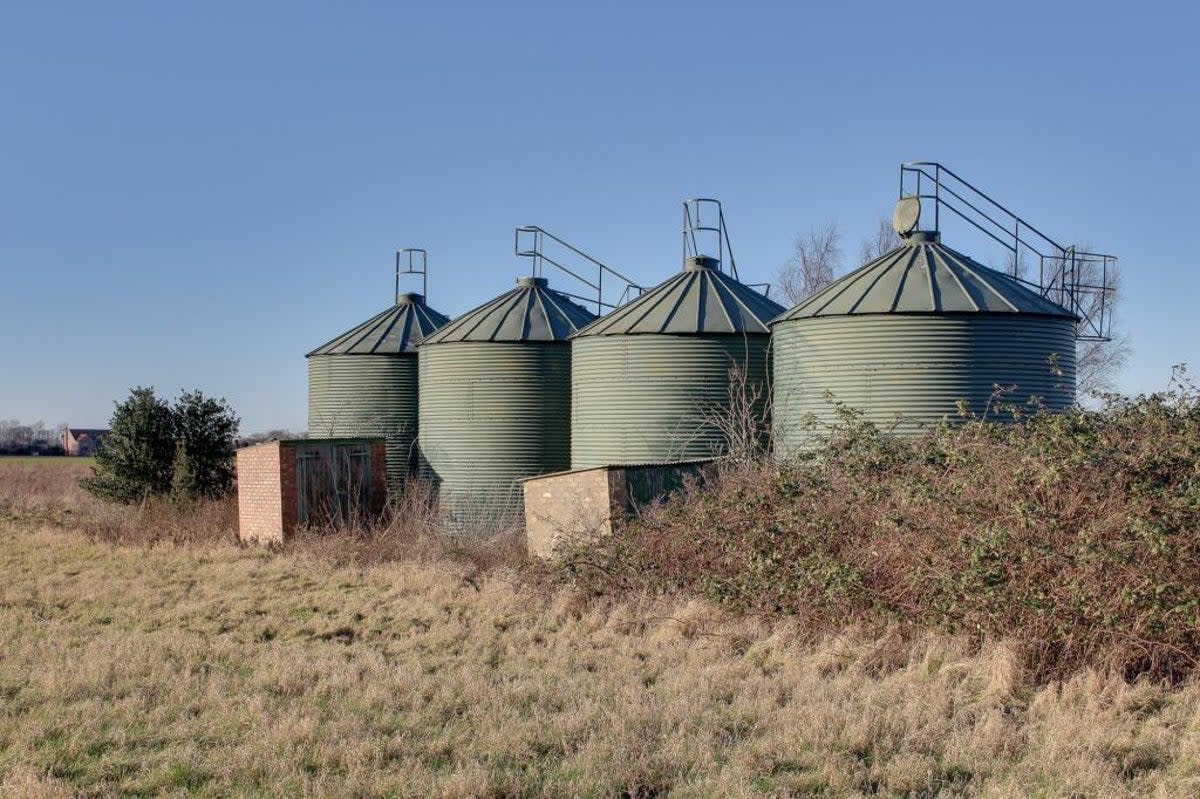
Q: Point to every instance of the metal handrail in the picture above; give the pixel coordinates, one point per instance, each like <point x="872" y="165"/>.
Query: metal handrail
<point x="1062" y="282"/>
<point x="939" y="169"/>
<point x="692" y="227"/>
<point x="411" y="270"/>
<point x="537" y="253"/>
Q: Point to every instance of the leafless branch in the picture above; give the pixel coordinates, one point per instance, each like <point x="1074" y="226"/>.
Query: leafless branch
<point x="817" y="258"/>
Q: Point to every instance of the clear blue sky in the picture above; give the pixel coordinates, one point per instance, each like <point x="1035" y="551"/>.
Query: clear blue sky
<point x="195" y="195"/>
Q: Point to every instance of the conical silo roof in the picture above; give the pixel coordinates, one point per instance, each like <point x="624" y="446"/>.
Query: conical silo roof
<point x="395" y="331"/>
<point x="924" y="276"/>
<point x="699" y="300"/>
<point x="530" y="312"/>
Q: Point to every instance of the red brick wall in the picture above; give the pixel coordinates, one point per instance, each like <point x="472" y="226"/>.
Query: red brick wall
<point x="268" y="510"/>
<point x="261" y="516"/>
<point x="287" y="489"/>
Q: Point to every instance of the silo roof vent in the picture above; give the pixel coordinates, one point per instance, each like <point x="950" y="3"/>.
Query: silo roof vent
<point x="697" y="262"/>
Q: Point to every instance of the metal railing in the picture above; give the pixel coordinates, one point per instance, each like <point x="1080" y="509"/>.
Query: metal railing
<point x="535" y="247"/>
<point x="1081" y="282"/>
<point x="695" y="211"/>
<point x="410" y="253"/>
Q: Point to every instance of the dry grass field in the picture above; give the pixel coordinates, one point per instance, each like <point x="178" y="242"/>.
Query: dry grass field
<point x="150" y="667"/>
<point x="40" y="484"/>
<point x="218" y="671"/>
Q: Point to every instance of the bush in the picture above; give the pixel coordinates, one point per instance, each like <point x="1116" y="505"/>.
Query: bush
<point x="206" y="430"/>
<point x="1077" y="534"/>
<point x="135" y="461"/>
<point x="154" y="449"/>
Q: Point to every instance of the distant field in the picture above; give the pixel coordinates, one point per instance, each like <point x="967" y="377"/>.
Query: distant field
<point x="44" y="460"/>
<point x="41" y="483"/>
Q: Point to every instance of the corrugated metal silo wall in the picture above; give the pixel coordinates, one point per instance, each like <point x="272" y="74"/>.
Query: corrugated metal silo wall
<point x="916" y="366"/>
<point x="366" y="395"/>
<point x="649" y="398"/>
<point x="491" y="414"/>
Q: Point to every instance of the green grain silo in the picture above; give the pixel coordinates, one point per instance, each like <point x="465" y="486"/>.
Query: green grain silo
<point x="496" y="399"/>
<point x="364" y="382"/>
<point x="649" y="378"/>
<point x="907" y="336"/>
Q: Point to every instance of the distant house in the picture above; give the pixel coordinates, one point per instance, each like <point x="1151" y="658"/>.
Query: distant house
<point x="77" y="441"/>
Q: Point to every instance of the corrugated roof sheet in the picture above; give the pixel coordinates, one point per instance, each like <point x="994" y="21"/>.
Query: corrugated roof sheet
<point x="397" y="330"/>
<point x="530" y="312"/>
<point x="923" y="276"/>
<point x="698" y="300"/>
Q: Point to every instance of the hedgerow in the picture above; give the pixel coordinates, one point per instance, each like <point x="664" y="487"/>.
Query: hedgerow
<point x="1076" y="535"/>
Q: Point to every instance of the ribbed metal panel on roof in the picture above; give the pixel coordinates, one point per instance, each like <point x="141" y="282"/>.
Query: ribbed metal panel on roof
<point x="923" y="276"/>
<point x="698" y="300"/>
<point x="397" y="330"/>
<point x="530" y="312"/>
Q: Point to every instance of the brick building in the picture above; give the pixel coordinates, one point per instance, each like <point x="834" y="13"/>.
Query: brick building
<point x="286" y="484"/>
<point x="80" y="441"/>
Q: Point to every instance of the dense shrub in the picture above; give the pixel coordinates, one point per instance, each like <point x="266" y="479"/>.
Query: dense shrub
<point x="1077" y="534"/>
<point x="135" y="461"/>
<point x="155" y="448"/>
<point x="205" y="433"/>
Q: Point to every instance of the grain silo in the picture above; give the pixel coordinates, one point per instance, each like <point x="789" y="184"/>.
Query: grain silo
<point x="496" y="399"/>
<point x="364" y="382"/>
<point x="909" y="335"/>
<point x="649" y="379"/>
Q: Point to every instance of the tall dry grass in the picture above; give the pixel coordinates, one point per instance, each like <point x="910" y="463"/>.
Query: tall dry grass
<point x="49" y="484"/>
<point x="413" y="529"/>
<point x="221" y="671"/>
<point x="51" y="494"/>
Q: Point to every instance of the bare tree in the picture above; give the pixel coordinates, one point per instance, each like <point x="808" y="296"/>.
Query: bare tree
<point x="1017" y="264"/>
<point x="277" y="434"/>
<point x="1099" y="363"/>
<point x="17" y="438"/>
<point x="815" y="261"/>
<point x="882" y="241"/>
